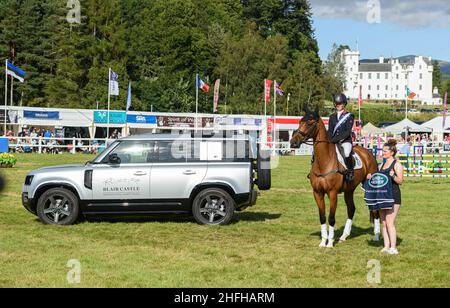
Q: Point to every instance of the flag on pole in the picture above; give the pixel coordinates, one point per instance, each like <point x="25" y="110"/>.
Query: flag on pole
<point x="278" y="89"/>
<point x="360" y="99"/>
<point x="267" y="90"/>
<point x="216" y="95"/>
<point x="445" y="110"/>
<point x="202" y="85"/>
<point x="129" y="97"/>
<point x="113" y="83"/>
<point x="15" y="72"/>
<point x="410" y="94"/>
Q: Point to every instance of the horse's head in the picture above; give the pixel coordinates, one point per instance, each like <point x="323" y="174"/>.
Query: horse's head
<point x="308" y="128"/>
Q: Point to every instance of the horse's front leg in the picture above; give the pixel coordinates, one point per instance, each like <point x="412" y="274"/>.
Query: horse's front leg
<point x="320" y="200"/>
<point x="349" y="200"/>
<point x="333" y="195"/>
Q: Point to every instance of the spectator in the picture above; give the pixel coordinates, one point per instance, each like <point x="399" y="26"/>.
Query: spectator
<point x="406" y="149"/>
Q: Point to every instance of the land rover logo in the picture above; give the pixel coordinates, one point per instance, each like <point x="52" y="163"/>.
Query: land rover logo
<point x="378" y="181"/>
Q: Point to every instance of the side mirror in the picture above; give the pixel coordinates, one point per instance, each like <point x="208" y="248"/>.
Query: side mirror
<point x="114" y="159"/>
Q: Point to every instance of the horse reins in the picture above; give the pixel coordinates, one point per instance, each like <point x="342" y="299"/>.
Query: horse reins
<point x="307" y="135"/>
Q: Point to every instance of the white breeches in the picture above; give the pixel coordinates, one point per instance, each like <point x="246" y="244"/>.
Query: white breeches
<point x="348" y="147"/>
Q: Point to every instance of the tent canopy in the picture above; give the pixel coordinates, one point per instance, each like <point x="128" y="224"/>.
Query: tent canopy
<point x="401" y="127"/>
<point x="436" y="124"/>
<point x="371" y="129"/>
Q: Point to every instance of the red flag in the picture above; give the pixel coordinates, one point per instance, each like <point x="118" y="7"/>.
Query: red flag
<point x="216" y="95"/>
<point x="267" y="90"/>
<point x="360" y="99"/>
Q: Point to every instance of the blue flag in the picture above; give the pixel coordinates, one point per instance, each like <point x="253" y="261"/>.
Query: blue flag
<point x="15" y="72"/>
<point x="129" y="97"/>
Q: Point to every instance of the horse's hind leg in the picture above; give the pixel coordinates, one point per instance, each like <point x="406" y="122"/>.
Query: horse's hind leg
<point x="351" y="209"/>
<point x="320" y="200"/>
<point x="375" y="217"/>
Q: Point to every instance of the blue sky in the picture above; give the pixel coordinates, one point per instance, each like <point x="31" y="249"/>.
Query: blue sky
<point x="404" y="27"/>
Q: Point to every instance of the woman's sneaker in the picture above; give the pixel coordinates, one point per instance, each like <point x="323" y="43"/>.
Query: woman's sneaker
<point x="385" y="250"/>
<point x="393" y="251"/>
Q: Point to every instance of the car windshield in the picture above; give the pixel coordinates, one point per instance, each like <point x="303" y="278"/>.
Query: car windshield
<point x="103" y="151"/>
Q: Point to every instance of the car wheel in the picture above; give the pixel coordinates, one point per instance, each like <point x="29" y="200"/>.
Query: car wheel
<point x="264" y="181"/>
<point x="213" y="207"/>
<point x="58" y="206"/>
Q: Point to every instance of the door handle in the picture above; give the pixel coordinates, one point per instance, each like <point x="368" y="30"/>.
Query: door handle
<point x="140" y="173"/>
<point x="189" y="172"/>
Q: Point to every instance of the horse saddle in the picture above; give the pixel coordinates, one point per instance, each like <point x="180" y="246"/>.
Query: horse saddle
<point x="356" y="159"/>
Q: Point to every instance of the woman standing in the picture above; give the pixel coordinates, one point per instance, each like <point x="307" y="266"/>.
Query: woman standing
<point x="393" y="168"/>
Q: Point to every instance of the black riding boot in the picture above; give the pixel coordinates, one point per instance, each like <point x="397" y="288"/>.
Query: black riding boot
<point x="350" y="169"/>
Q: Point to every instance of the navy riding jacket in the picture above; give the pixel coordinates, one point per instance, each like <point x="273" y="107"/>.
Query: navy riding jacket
<point x="343" y="133"/>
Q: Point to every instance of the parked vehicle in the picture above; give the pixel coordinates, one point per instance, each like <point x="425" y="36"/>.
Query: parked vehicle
<point x="154" y="174"/>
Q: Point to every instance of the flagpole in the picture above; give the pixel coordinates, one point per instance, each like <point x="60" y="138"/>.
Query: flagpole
<point x="196" y="101"/>
<point x="12" y="87"/>
<point x="445" y="111"/>
<point x="360" y="100"/>
<point x="6" y="92"/>
<point x="265" y="98"/>
<point x="274" y="116"/>
<point x="109" y="101"/>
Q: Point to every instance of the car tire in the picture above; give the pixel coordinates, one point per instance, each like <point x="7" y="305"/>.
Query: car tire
<point x="58" y="206"/>
<point x="213" y="207"/>
<point x="264" y="180"/>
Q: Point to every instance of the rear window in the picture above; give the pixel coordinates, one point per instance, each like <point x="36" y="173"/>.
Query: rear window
<point x="182" y="151"/>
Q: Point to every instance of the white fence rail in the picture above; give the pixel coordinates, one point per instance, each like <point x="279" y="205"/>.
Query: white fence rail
<point x="43" y="144"/>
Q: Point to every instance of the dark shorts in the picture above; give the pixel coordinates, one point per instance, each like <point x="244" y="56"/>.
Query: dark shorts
<point x="397" y="194"/>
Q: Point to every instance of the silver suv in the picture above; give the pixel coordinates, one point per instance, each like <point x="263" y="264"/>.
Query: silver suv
<point x="209" y="178"/>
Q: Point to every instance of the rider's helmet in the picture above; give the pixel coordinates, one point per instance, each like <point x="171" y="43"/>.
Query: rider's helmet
<point x="340" y="99"/>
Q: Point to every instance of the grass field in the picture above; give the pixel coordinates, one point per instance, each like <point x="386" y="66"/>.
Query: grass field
<point x="275" y="244"/>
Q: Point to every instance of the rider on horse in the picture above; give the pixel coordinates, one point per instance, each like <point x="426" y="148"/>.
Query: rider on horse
<point x="340" y="133"/>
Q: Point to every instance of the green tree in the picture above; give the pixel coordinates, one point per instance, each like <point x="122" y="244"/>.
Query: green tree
<point x="245" y="62"/>
<point x="437" y="75"/>
<point x="334" y="67"/>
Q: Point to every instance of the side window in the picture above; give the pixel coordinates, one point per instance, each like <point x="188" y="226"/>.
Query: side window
<point x="170" y="152"/>
<point x="134" y="152"/>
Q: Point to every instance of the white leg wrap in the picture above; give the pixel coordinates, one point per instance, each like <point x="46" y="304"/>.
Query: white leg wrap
<point x="323" y="243"/>
<point x="377" y="226"/>
<point x="348" y="227"/>
<point x="347" y="230"/>
<point x="324" y="232"/>
<point x="377" y="230"/>
<point x="331" y="237"/>
<point x="331" y="233"/>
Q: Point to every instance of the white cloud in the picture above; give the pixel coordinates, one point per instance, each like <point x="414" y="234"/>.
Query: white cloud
<point x="407" y="13"/>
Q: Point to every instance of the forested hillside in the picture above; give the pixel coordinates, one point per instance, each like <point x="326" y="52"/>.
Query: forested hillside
<point x="160" y="45"/>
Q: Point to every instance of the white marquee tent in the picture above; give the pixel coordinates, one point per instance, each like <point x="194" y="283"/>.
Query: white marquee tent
<point x="372" y="130"/>
<point x="401" y="127"/>
<point x="437" y="125"/>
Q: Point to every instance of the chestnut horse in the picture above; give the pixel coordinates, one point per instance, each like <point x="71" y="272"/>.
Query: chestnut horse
<point x="327" y="175"/>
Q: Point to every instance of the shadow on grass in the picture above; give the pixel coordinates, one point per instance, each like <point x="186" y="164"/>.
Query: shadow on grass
<point x="255" y="216"/>
<point x="380" y="244"/>
<point x="358" y="232"/>
<point x="181" y="218"/>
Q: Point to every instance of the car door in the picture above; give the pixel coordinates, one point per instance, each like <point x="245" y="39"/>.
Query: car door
<point x="127" y="180"/>
<point x="176" y="171"/>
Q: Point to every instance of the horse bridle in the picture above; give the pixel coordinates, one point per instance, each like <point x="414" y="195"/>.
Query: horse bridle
<point x="308" y="135"/>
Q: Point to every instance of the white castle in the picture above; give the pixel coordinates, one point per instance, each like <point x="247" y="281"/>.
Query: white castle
<point x="389" y="79"/>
